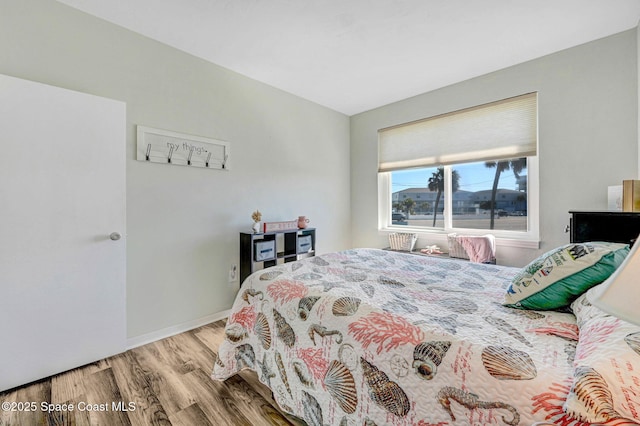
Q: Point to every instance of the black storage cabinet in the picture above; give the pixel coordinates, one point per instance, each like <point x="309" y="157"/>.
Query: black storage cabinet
<point x="611" y="226"/>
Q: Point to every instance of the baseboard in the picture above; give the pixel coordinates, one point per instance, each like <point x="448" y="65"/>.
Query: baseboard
<point x="134" y="342"/>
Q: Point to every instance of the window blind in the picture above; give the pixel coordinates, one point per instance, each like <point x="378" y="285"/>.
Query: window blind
<point x="503" y="129"/>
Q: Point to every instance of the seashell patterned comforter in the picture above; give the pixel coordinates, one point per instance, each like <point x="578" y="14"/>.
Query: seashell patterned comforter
<point x="375" y="337"/>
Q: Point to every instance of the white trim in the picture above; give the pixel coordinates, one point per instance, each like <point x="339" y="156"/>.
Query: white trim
<point x="448" y="201"/>
<point x="509" y="242"/>
<point x="384" y="200"/>
<point x="154" y="336"/>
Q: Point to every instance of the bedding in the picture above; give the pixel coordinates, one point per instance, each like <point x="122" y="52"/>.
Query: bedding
<point x="606" y="381"/>
<point x="377" y="337"/>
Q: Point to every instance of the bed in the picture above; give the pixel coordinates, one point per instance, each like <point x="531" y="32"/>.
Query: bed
<point x="375" y="337"/>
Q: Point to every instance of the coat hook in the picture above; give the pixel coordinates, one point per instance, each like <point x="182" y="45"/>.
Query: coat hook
<point x="190" y="154"/>
<point x="170" y="154"/>
<point x="148" y="151"/>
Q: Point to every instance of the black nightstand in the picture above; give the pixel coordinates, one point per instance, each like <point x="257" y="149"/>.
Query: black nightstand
<point x="610" y="226"/>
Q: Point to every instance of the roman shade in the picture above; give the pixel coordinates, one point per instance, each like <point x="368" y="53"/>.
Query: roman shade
<point x="498" y="130"/>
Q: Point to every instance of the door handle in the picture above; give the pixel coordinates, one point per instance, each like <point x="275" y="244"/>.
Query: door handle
<point x="115" y="236"/>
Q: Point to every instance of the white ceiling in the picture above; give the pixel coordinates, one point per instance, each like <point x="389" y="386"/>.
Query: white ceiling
<point x="355" y="55"/>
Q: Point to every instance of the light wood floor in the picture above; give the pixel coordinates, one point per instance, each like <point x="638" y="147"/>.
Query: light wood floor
<point x="167" y="382"/>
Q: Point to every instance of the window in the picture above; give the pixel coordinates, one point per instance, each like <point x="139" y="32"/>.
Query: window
<point x="473" y="170"/>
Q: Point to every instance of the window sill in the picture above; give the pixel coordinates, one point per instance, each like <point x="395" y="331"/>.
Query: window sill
<point x="439" y="237"/>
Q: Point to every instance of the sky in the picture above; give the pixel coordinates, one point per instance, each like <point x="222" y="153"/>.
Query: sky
<point x="473" y="177"/>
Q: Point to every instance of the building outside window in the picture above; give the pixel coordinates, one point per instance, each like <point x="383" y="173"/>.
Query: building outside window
<point x="415" y="194"/>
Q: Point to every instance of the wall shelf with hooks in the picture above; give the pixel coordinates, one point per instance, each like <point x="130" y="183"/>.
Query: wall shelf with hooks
<point x="164" y="146"/>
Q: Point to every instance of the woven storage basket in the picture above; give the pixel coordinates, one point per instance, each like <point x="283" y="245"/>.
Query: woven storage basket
<point x="455" y="248"/>
<point x="402" y="241"/>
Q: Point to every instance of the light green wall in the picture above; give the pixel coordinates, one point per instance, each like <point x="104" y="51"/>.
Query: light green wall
<point x="289" y="157"/>
<point x="588" y="133"/>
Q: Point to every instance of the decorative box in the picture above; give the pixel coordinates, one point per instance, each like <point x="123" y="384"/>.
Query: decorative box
<point x="280" y="226"/>
<point x="631" y="195"/>
<point x="304" y="243"/>
<point x="264" y="250"/>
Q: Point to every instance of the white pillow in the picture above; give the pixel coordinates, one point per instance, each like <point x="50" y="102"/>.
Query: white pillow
<point x="606" y="383"/>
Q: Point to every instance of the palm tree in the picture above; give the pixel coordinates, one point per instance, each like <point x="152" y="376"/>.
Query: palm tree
<point x="408" y="206"/>
<point x="436" y="183"/>
<point x="516" y="165"/>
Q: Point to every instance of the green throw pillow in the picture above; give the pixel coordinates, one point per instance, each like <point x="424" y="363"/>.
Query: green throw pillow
<point x="558" y="277"/>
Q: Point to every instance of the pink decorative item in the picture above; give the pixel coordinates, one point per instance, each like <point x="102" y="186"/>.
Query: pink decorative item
<point x="302" y="222"/>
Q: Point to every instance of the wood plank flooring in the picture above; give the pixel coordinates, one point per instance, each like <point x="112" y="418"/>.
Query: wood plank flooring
<point x="163" y="383"/>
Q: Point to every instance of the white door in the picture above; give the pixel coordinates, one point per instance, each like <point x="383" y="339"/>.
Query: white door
<point x="62" y="193"/>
